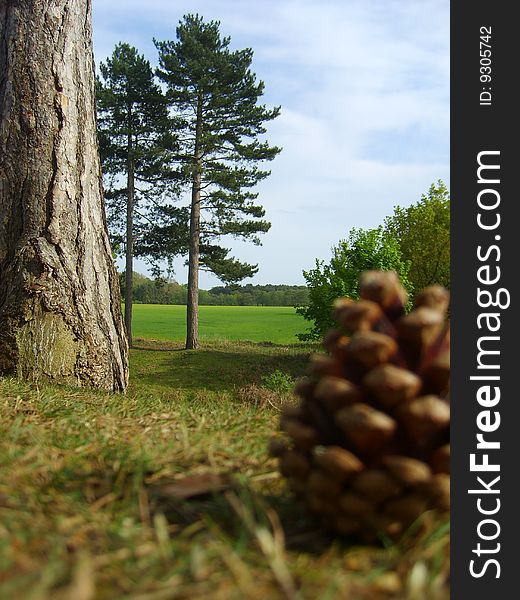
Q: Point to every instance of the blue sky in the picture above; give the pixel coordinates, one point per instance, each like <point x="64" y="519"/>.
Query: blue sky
<point x="364" y="90"/>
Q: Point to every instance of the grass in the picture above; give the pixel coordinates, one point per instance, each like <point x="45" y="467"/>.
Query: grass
<point x="87" y="509"/>
<point x="275" y="324"/>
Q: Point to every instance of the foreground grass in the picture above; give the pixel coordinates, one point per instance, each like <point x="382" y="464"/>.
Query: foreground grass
<point x="278" y="324"/>
<point x="87" y="509"/>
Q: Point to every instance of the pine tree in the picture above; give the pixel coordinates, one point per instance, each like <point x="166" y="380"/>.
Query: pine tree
<point x="135" y="134"/>
<point x="214" y="96"/>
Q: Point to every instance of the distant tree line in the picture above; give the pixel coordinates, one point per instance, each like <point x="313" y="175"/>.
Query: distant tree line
<point x="161" y="291"/>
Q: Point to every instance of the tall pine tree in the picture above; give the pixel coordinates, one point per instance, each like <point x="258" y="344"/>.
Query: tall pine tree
<point x="214" y="96"/>
<point x="135" y="135"/>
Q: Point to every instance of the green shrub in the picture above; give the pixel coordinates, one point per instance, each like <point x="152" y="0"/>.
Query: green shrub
<point x="278" y="381"/>
<point x="363" y="250"/>
<point x="423" y="231"/>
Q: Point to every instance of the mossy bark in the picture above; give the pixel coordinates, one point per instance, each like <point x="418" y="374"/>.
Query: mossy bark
<point x="60" y="309"/>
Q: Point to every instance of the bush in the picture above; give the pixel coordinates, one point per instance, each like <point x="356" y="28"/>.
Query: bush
<point x="363" y="250"/>
<point x="278" y="381"/>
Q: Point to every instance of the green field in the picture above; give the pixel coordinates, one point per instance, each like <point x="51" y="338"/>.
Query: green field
<point x="276" y="324"/>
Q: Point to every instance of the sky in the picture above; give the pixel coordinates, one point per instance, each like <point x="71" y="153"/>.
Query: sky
<point x="364" y="124"/>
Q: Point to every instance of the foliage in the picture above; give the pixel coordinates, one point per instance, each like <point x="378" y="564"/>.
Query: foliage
<point x="214" y="97"/>
<point x="278" y="381"/>
<point x="154" y="291"/>
<point x="256" y="295"/>
<point x="134" y="131"/>
<point x="167" y="291"/>
<point x="363" y="250"/>
<point x="423" y="232"/>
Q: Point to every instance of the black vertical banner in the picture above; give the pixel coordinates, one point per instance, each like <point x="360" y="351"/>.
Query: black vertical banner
<point x="485" y="396"/>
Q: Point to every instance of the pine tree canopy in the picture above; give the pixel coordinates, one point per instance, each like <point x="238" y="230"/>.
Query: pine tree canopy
<point x="135" y="134"/>
<point x="219" y="125"/>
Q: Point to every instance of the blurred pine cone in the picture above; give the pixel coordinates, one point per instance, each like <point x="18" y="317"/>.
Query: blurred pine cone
<point x="368" y="448"/>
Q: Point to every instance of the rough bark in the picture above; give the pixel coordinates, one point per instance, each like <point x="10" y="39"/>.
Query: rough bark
<point x="60" y="310"/>
<point x="192" y="313"/>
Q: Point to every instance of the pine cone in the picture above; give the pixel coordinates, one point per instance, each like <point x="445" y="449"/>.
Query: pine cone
<point x="368" y="448"/>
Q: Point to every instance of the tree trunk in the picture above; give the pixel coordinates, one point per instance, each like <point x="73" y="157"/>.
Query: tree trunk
<point x="192" y="335"/>
<point x="192" y="313"/>
<point x="129" y="273"/>
<point x="60" y="311"/>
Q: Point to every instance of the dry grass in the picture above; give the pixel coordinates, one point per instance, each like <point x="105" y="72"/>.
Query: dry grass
<point x="85" y="513"/>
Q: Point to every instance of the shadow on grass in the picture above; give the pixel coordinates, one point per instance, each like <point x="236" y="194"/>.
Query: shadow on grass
<point x="217" y="368"/>
<point x="302" y="533"/>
